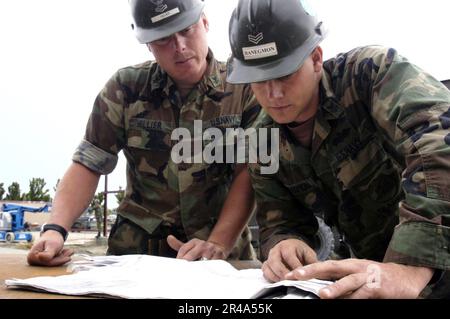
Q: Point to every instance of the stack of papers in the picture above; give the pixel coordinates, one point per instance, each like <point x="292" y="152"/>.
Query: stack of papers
<point x="144" y="276"/>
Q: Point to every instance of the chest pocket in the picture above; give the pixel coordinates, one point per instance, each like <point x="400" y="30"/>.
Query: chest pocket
<point x="298" y="177"/>
<point x="359" y="162"/>
<point x="148" y="148"/>
<point x="305" y="191"/>
<point x="367" y="171"/>
<point x="149" y="135"/>
<point x="368" y="185"/>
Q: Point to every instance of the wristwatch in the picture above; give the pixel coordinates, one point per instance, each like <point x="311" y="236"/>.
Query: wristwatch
<point x="57" y="228"/>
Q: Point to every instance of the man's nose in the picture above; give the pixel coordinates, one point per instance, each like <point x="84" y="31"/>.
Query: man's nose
<point x="274" y="89"/>
<point x="179" y="42"/>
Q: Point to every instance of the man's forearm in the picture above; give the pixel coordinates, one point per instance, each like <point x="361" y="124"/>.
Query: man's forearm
<point x="235" y="213"/>
<point x="73" y="195"/>
<point x="422" y="275"/>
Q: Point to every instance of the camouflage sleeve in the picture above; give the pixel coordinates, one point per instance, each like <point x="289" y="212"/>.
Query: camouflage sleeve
<point x="251" y="107"/>
<point x="412" y="110"/>
<point x="95" y="158"/>
<point x="104" y="136"/>
<point x="279" y="215"/>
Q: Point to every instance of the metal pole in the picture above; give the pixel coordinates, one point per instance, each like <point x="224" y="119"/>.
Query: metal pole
<point x="105" y="207"/>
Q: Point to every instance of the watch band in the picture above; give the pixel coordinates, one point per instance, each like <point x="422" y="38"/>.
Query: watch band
<point x="57" y="228"/>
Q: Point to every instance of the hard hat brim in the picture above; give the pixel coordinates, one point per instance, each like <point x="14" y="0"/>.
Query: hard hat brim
<point x="240" y="72"/>
<point x="179" y="23"/>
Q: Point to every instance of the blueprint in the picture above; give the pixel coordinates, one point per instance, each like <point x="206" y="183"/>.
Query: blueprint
<point x="144" y="276"/>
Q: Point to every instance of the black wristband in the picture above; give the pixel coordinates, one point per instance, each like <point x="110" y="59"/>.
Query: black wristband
<point x="57" y="228"/>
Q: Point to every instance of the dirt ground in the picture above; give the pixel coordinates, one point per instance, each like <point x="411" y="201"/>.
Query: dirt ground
<point x="81" y="242"/>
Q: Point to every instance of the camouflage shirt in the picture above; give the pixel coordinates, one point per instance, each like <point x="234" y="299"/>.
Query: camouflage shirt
<point x="378" y="166"/>
<point x="136" y="112"/>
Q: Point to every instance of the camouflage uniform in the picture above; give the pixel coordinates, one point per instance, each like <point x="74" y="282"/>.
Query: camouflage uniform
<point x="380" y="157"/>
<point x="98" y="218"/>
<point x="136" y="112"/>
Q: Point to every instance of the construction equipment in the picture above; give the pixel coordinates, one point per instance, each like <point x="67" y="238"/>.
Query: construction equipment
<point x="12" y="224"/>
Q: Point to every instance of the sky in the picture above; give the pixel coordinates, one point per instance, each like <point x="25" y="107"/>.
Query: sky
<point x="55" y="56"/>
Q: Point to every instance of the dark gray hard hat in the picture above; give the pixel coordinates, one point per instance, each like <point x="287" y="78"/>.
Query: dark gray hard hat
<point x="156" y="19"/>
<point x="270" y="39"/>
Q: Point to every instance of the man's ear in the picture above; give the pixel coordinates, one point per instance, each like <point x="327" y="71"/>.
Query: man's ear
<point x="205" y="22"/>
<point x="317" y="57"/>
<point x="149" y="47"/>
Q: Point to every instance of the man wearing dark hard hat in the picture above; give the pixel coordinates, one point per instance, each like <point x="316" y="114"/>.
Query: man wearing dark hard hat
<point x="190" y="210"/>
<point x="364" y="142"/>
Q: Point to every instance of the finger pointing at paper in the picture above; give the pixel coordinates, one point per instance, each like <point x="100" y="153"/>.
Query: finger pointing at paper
<point x="196" y="249"/>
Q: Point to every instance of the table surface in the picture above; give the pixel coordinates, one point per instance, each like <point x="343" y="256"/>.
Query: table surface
<point x="15" y="266"/>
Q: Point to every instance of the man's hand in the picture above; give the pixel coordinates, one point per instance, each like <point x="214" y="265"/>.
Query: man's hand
<point x="49" y="251"/>
<point x="286" y="256"/>
<point x="365" y="279"/>
<point x="196" y="249"/>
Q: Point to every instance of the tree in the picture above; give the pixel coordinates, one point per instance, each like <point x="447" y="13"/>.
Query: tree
<point x="120" y="195"/>
<point x="13" y="192"/>
<point x="2" y="191"/>
<point x="37" y="191"/>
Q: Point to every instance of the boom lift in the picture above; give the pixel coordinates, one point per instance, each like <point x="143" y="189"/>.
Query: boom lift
<point x="12" y="223"/>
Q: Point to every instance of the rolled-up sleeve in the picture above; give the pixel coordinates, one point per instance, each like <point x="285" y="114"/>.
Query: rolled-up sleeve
<point x="105" y="130"/>
<point x="95" y="158"/>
